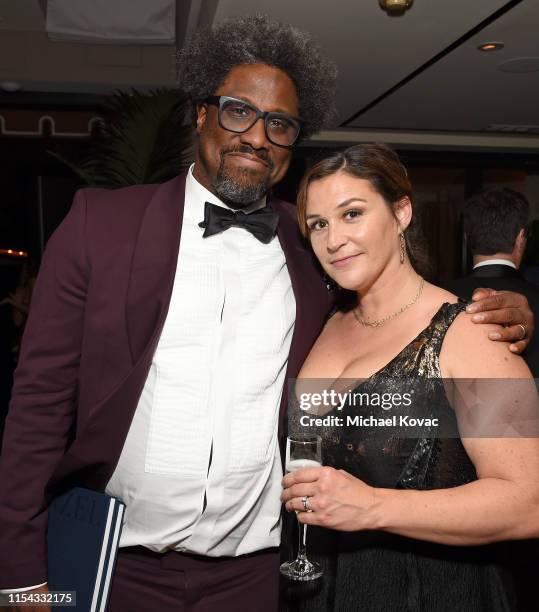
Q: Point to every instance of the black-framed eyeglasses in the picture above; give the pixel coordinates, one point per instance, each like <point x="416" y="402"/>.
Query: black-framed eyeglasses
<point x="239" y="116"/>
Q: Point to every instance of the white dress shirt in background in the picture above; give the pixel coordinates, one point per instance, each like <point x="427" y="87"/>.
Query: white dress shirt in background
<point x="498" y="262"/>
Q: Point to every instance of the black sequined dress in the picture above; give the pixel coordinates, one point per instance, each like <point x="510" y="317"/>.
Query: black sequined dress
<point x="376" y="571"/>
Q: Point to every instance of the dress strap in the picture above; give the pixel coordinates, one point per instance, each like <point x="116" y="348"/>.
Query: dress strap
<point x="441" y="322"/>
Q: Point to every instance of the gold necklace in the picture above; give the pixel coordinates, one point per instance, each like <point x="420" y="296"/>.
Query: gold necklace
<point x="380" y="322"/>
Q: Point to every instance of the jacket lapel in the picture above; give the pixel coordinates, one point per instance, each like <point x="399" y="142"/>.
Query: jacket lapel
<point x="148" y="297"/>
<point x="154" y="266"/>
<point x="91" y="459"/>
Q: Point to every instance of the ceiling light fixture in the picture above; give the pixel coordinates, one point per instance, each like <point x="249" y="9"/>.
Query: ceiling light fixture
<point x="395" y="7"/>
<point x="491" y="46"/>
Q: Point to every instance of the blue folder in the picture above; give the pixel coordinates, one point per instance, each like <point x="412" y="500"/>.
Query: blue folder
<point x="82" y="544"/>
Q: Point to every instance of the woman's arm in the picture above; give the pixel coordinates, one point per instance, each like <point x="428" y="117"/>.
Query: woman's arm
<point x="502" y="504"/>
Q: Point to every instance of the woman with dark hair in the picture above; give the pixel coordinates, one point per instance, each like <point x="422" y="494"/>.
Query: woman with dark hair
<point x="414" y="496"/>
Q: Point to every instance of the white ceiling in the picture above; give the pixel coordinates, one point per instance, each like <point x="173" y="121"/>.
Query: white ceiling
<point x="461" y="92"/>
<point x="373" y="51"/>
<point x="465" y="90"/>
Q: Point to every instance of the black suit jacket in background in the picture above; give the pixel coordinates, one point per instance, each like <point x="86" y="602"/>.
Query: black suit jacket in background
<point x="522" y="557"/>
<point x="501" y="277"/>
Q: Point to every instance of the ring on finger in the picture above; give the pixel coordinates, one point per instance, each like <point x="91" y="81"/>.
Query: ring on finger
<point x="305" y="502"/>
<point x="524" y="330"/>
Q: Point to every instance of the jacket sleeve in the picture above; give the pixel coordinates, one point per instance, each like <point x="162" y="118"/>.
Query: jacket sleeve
<point x="41" y="418"/>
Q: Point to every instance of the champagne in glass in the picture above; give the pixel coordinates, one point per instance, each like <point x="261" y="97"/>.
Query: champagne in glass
<point x="302" y="450"/>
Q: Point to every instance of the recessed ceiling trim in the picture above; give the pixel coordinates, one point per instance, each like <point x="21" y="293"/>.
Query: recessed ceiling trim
<point x="457" y="43"/>
<point x="428" y="140"/>
<point x="512" y="128"/>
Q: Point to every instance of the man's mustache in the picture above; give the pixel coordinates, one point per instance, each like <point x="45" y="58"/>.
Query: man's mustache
<point x="261" y="154"/>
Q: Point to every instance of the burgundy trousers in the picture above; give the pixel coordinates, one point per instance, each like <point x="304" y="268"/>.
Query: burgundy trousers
<point x="145" y="581"/>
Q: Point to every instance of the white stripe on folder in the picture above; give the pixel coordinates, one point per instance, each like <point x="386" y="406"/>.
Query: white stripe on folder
<point x="113" y="551"/>
<point x="104" y="547"/>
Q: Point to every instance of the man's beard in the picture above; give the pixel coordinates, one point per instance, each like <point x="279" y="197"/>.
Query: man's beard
<point x="240" y="190"/>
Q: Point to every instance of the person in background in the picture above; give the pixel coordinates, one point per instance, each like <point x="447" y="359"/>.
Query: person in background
<point x="495" y="223"/>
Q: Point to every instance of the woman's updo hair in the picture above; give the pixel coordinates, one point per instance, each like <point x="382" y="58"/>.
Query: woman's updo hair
<point x="381" y="166"/>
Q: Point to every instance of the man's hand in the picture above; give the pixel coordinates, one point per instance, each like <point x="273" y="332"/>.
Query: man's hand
<point x="28" y="607"/>
<point x="506" y="308"/>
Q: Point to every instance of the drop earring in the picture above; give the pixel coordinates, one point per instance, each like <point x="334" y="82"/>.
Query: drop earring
<point x="402" y="246"/>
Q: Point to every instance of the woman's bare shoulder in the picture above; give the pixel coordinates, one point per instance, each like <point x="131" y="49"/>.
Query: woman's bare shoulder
<point x="468" y="352"/>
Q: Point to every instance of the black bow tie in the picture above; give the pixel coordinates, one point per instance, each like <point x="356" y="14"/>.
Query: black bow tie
<point x="262" y="223"/>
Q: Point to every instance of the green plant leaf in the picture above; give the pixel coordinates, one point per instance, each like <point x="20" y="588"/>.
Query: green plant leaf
<point x="147" y="140"/>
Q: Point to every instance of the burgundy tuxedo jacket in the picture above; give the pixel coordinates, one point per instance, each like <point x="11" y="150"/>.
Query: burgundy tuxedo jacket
<point x="97" y="312"/>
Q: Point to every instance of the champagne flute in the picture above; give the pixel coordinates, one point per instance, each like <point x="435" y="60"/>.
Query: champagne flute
<point x="302" y="450"/>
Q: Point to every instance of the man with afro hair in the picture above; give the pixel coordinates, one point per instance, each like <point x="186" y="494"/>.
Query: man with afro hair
<point x="165" y="322"/>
